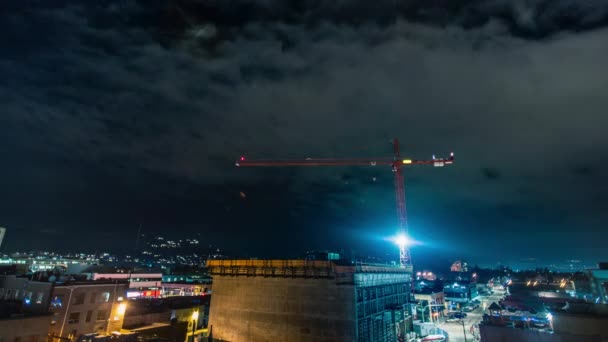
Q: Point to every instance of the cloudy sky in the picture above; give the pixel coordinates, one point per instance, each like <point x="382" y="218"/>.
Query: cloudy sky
<point x="121" y="113"/>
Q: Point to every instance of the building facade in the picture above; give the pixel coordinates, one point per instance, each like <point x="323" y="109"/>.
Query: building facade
<point x="458" y="295"/>
<point x="29" y="328"/>
<point x="32" y="296"/>
<point x="592" y="285"/>
<point x="141" y="285"/>
<point x="430" y="305"/>
<point x="87" y="307"/>
<point x="300" y="300"/>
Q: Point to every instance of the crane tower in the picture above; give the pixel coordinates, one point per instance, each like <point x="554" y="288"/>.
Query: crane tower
<point x="397" y="164"/>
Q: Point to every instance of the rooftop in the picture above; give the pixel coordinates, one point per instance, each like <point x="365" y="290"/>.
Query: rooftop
<point x="584" y="309"/>
<point x="301" y="268"/>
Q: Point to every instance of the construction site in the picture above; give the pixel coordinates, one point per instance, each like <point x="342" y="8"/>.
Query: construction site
<point x="300" y="300"/>
<point x="303" y="300"/>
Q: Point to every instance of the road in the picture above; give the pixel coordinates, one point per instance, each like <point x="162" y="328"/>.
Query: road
<point x="455" y="331"/>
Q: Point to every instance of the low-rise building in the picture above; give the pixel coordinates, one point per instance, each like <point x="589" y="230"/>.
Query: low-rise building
<point x="430" y="305"/>
<point x="460" y="294"/>
<point x="32" y="296"/>
<point x="574" y="323"/>
<point x="174" y="318"/>
<point x="83" y="307"/>
<point x="141" y="283"/>
<point x="592" y="285"/>
<point x="26" y="328"/>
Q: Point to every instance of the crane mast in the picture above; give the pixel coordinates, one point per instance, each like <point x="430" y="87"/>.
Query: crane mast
<point x="397" y="163"/>
<point x="404" y="254"/>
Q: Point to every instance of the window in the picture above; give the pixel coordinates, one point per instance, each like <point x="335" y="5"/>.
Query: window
<point x="93" y="297"/>
<point x="102" y="315"/>
<point x="105" y="297"/>
<point x="79" y="299"/>
<point x="89" y="314"/>
<point x="74" y="317"/>
<point x="39" y="297"/>
<point x="57" y="301"/>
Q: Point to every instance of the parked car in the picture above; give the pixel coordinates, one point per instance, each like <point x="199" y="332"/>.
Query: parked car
<point x="453" y="320"/>
<point x="457" y="315"/>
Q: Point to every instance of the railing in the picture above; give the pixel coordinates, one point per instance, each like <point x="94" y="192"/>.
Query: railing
<point x="298" y="268"/>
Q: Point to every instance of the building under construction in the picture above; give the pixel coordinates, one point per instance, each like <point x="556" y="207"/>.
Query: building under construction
<point x="303" y="300"/>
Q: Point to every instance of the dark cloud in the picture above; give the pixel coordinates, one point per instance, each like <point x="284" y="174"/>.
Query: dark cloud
<point x="117" y="112"/>
<point x="528" y="19"/>
<point x="491" y="173"/>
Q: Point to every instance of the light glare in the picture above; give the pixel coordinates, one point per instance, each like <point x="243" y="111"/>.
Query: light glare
<point x="401" y="240"/>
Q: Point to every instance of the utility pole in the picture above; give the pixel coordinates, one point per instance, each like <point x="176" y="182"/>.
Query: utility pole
<point x="464" y="331"/>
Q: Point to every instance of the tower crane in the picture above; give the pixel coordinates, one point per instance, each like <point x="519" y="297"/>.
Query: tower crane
<point x="397" y="163"/>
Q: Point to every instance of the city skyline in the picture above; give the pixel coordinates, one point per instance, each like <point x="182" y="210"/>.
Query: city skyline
<point x="124" y="115"/>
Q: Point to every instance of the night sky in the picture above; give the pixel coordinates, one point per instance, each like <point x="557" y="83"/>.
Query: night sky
<point x="116" y="114"/>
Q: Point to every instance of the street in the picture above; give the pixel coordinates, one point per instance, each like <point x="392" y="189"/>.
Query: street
<point x="455" y="330"/>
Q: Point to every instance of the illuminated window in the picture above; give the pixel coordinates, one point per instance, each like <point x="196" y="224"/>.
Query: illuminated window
<point x="57" y="301"/>
<point x="39" y="297"/>
<point x="105" y="297"/>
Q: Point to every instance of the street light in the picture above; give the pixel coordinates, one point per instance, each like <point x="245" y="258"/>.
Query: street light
<point x="121" y="309"/>
<point x="194" y="323"/>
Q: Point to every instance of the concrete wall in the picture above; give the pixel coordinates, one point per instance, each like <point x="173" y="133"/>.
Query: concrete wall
<point x="136" y="321"/>
<point x="27" y="329"/>
<point x="265" y="309"/>
<point x="581" y="324"/>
